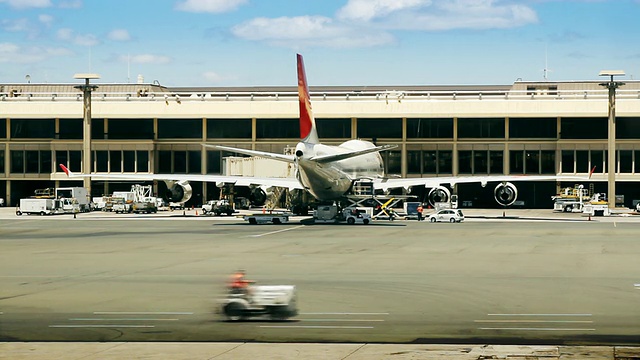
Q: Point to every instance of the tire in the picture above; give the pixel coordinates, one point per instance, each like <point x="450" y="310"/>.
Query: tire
<point x="351" y="221"/>
<point x="432" y="219"/>
<point x="19" y="213"/>
<point x="253" y="221"/>
<point x="277" y="221"/>
<point x="568" y="208"/>
<point x="234" y="312"/>
<point x="452" y="220"/>
<point x="365" y="221"/>
<point x="42" y="213"/>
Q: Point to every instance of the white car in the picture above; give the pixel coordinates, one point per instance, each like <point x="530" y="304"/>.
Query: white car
<point x="450" y="215"/>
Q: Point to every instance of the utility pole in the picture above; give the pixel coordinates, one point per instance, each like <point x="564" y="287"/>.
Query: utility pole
<point x="86" y="89"/>
<point x="611" y="143"/>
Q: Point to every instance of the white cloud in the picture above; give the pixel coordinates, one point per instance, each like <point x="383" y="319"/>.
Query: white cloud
<point x="145" y="59"/>
<point x="18" y="25"/>
<point x="212" y="77"/>
<point x="13" y="53"/>
<point x="210" y="6"/>
<point x="67" y="34"/>
<point x="302" y="31"/>
<point x="27" y="4"/>
<point x="119" y="35"/>
<point x="460" y="14"/>
<point x="47" y="20"/>
<point x="70" y="4"/>
<point x="368" y="9"/>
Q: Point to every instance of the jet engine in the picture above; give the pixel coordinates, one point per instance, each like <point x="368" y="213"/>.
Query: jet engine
<point x="438" y="194"/>
<point x="258" y="196"/>
<point x="505" y="193"/>
<point x="178" y="191"/>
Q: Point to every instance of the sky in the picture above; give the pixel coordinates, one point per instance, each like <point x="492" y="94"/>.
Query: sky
<point x="344" y="42"/>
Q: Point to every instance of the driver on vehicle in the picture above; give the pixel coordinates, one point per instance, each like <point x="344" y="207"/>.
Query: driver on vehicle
<point x="238" y="284"/>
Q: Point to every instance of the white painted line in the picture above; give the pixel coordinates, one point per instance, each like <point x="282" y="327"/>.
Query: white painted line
<point x="341" y="313"/>
<point x="316" y="327"/>
<point x="539" y="315"/>
<point x="101" y="326"/>
<point x="536" y="321"/>
<point x="122" y="319"/>
<point x="277" y="231"/>
<point x="538" y="329"/>
<point x="343" y="320"/>
<point x="140" y="313"/>
<point x="636" y="285"/>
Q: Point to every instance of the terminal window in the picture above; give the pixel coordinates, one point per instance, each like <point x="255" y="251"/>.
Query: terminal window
<point x="179" y="128"/>
<point x="379" y="128"/>
<point x="70" y="129"/>
<point x="33" y="128"/>
<point x="527" y="128"/>
<point x="228" y="128"/>
<point x="420" y="128"/>
<point x="334" y="128"/>
<point x="277" y="129"/>
<point x="481" y="128"/>
<point x="3" y="128"/>
<point x="130" y="129"/>
<point x="31" y="162"/>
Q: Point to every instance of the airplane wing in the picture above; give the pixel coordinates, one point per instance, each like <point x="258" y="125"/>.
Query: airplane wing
<point x="350" y="154"/>
<point x="279" y="157"/>
<point x="289" y="183"/>
<point x="431" y="182"/>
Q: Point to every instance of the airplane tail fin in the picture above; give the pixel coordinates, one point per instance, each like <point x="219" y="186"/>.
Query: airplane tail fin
<point x="66" y="170"/>
<point x="308" y="132"/>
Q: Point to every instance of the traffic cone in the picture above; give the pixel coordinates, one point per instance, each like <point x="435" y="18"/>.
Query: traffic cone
<point x="196" y="212"/>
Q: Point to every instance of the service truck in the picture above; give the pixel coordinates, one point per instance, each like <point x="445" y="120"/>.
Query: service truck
<point x="80" y="194"/>
<point x="330" y="214"/>
<point x="39" y="206"/>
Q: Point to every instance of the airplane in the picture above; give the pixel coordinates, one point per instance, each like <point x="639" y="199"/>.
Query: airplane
<point x="328" y="172"/>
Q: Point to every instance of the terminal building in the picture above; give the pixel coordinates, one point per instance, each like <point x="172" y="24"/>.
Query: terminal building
<point x="526" y="128"/>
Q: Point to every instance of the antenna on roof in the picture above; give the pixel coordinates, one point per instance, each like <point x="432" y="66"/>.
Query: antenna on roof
<point x="546" y="71"/>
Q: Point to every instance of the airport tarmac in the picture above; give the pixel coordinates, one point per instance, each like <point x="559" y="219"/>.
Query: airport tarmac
<point x="528" y="277"/>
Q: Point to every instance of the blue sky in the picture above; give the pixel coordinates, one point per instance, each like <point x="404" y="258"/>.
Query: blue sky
<point x="344" y="42"/>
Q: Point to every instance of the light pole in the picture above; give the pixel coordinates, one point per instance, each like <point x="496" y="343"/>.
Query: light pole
<point x="611" y="143"/>
<point x="86" y="89"/>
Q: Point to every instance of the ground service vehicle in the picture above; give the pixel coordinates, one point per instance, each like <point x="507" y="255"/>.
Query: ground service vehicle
<point x="80" y="194"/>
<point x="278" y="302"/>
<point x="39" y="207"/>
<point x="329" y="214"/>
<point x="267" y="218"/>
<point x="145" y="205"/>
<point x="218" y="207"/>
<point x="450" y="215"/>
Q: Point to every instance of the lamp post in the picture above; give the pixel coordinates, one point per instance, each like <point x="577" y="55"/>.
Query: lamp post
<point x="86" y="89"/>
<point x="611" y="140"/>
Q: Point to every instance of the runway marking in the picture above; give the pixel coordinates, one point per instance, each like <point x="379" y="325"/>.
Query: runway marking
<point x="315" y="327"/>
<point x="277" y="231"/>
<point x="141" y="313"/>
<point x="536" y="321"/>
<point x="122" y="319"/>
<point x="539" y="314"/>
<point x="101" y="326"/>
<point x="539" y="329"/>
<point x="343" y="320"/>
<point x="636" y="285"/>
<point x="341" y="313"/>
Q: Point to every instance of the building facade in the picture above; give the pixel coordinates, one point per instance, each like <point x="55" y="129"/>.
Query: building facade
<point x="524" y="128"/>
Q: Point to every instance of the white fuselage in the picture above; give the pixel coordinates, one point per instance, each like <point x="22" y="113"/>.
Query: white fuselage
<point x="331" y="180"/>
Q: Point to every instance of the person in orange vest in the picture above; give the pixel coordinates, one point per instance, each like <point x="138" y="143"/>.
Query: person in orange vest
<point x="420" y="209"/>
<point x="238" y="284"/>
